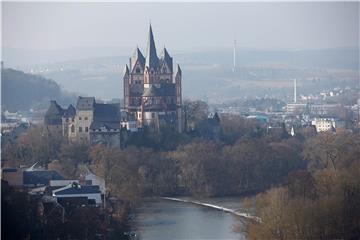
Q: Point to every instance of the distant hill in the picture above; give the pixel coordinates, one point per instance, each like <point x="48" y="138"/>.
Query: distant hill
<point x="21" y="91"/>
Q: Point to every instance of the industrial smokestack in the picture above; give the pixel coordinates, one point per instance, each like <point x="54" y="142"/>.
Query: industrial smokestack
<point x="295" y="97"/>
<point x="234" y="56"/>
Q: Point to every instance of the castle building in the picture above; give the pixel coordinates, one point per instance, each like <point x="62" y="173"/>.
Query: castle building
<point x="90" y="123"/>
<point x="152" y="89"/>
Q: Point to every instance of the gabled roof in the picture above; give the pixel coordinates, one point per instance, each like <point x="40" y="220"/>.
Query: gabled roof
<point x="151" y="56"/>
<point x="77" y="189"/>
<point x="178" y="71"/>
<point x="126" y="70"/>
<point x="85" y="103"/>
<point x="70" y="111"/>
<point x="53" y="114"/>
<point x="165" y="57"/>
<point x="41" y="177"/>
<point x="137" y="56"/>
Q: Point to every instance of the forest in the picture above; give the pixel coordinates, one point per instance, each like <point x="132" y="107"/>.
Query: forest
<point x="21" y="91"/>
<point x="306" y="186"/>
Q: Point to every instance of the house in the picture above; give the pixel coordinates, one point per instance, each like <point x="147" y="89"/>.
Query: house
<point x="75" y="190"/>
<point x="92" y="179"/>
<point x="39" y="178"/>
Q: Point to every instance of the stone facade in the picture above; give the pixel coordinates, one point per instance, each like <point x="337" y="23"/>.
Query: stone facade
<point x="152" y="90"/>
<point x="90" y="123"/>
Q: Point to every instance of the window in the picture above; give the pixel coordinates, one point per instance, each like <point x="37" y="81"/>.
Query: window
<point x="80" y="129"/>
<point x="152" y="115"/>
<point x="86" y="118"/>
<point x="137" y="70"/>
<point x="86" y="129"/>
<point x="72" y="128"/>
<point x="79" y="118"/>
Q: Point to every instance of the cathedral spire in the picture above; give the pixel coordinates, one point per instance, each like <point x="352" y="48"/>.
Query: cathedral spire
<point x="151" y="57"/>
<point x="126" y="70"/>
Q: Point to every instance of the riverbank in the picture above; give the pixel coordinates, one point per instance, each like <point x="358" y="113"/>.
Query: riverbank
<point x="161" y="219"/>
<point x="217" y="207"/>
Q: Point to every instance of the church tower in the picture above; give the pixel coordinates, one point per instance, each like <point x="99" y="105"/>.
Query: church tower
<point x="152" y="92"/>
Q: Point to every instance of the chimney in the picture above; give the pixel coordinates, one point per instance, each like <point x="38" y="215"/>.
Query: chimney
<point x="295" y="91"/>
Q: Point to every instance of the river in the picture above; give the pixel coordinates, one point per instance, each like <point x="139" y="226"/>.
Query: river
<point x="158" y="219"/>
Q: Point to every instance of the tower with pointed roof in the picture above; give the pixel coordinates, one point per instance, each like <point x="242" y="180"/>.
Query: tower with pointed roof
<point x="152" y="90"/>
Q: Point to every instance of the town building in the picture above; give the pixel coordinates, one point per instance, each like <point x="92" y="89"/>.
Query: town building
<point x="152" y="89"/>
<point x="327" y="124"/>
<point x="89" y="123"/>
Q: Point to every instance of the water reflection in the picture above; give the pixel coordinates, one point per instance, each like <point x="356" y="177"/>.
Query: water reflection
<point x="162" y="219"/>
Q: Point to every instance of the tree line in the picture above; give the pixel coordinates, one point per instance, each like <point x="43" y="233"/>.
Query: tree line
<point x="309" y="183"/>
<point x="320" y="202"/>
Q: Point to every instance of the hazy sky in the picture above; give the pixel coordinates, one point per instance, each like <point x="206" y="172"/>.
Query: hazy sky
<point x="181" y="26"/>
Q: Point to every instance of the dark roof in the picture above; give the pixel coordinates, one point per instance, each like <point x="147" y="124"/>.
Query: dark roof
<point x="151" y="56"/>
<point x="151" y="91"/>
<point x="78" y="189"/>
<point x="137" y="56"/>
<point x="9" y="170"/>
<point x="126" y="70"/>
<point x="53" y="114"/>
<point x="40" y="177"/>
<point x="106" y="115"/>
<point x="165" y="57"/>
<point x="166" y="89"/>
<point x="107" y="112"/>
<point x="136" y="90"/>
<point x="85" y="103"/>
<point x="70" y="111"/>
<point x="178" y="72"/>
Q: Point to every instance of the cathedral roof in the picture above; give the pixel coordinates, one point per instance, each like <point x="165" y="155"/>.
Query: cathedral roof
<point x="137" y="56"/>
<point x="167" y="59"/>
<point x="151" y="56"/>
<point x="126" y="70"/>
<point x="178" y="71"/>
<point x="151" y="91"/>
<point x="164" y="90"/>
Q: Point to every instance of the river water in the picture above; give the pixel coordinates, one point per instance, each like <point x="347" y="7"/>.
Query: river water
<point x="158" y="219"/>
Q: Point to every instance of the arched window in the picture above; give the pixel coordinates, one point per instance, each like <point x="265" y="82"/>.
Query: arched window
<point x="72" y="128"/>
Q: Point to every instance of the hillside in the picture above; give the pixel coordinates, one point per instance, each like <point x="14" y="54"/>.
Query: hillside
<point x="21" y="91"/>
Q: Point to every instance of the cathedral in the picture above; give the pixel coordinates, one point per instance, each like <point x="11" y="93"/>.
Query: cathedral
<point x="152" y="99"/>
<point x="152" y="89"/>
